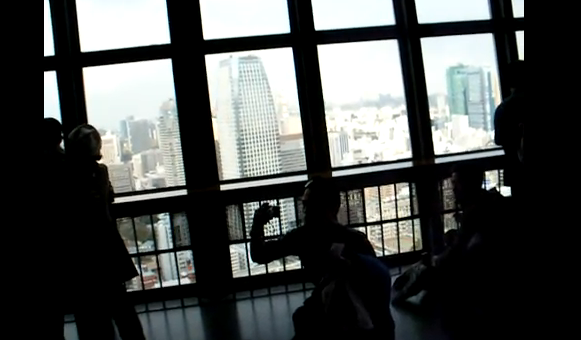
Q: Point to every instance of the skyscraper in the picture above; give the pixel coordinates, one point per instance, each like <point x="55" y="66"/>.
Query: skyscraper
<point x="470" y="92"/>
<point x="247" y="120"/>
<point x="110" y="149"/>
<point x="121" y="178"/>
<point x="339" y="147"/>
<point x="140" y="135"/>
<point x="171" y="145"/>
<point x="292" y="153"/>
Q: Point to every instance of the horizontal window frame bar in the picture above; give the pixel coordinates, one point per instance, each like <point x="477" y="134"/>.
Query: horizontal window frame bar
<point x="354" y="35"/>
<point x="179" y="204"/>
<point x="267" y="42"/>
<point x="244" y="44"/>
<point x="264" y="178"/>
<point x="456" y="28"/>
<point x="126" y="56"/>
<point x="50" y="64"/>
<point x="351" y="226"/>
<point x="161" y="252"/>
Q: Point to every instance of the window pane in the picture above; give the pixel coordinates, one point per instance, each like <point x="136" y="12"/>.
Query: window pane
<point x="127" y="232"/>
<point x="145" y="237"/>
<point x="256" y="114"/>
<point x="243" y="18"/>
<point x="150" y="271"/>
<point x="518" y="8"/>
<point x="48" y="40"/>
<point x="133" y="107"/>
<point x="186" y="267"/>
<point x="163" y="232"/>
<point x="333" y="14"/>
<point x="107" y="25"/>
<point x="520" y="36"/>
<point x="240" y="260"/>
<point x="365" y="102"/>
<point x="51" y="96"/>
<point x="430" y="11"/>
<point x="462" y="79"/>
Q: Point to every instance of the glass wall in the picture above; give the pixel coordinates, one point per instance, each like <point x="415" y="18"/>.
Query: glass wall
<point x="464" y="91"/>
<point x="51" y="96"/>
<point x="134" y="108"/>
<point x="107" y="25"/>
<point x="48" y="39"/>
<point x="367" y="118"/>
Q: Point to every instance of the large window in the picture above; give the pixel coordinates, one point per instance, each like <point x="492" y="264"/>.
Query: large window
<point x="48" y="39"/>
<point x="242" y="18"/>
<point x="51" y="96"/>
<point x="462" y="79"/>
<point x="333" y="14"/>
<point x="520" y="36"/>
<point x="256" y="115"/>
<point x="134" y="108"/>
<point x="431" y="11"/>
<point x="105" y="25"/>
<point x="274" y="81"/>
<point x="365" y="103"/>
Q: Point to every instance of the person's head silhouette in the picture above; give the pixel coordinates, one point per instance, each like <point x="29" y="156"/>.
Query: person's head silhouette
<point x="321" y="201"/>
<point x="468" y="181"/>
<point x="52" y="133"/>
<point x="85" y="143"/>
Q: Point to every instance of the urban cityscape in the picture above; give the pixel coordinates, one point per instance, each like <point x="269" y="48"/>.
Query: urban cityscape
<point x="259" y="132"/>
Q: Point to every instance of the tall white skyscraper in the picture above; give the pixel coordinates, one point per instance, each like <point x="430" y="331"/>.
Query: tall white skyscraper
<point x="111" y="149"/>
<point x="170" y="144"/>
<point x="247" y="120"/>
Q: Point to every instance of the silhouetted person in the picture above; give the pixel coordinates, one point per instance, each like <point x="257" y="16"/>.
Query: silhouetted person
<point x="471" y="267"/>
<point x="53" y="168"/>
<point x="509" y="117"/>
<point x="351" y="283"/>
<point x="100" y="262"/>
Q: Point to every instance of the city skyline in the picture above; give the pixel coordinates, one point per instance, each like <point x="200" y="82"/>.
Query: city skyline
<point x="157" y="80"/>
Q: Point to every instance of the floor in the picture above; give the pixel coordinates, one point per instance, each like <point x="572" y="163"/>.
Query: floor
<point x="268" y="318"/>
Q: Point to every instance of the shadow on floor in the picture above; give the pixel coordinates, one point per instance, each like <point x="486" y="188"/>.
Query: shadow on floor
<point x="268" y="318"/>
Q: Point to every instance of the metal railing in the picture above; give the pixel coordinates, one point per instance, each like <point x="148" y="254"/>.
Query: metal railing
<point x="383" y="205"/>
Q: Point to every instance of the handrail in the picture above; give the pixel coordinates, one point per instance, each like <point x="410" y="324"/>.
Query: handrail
<point x="295" y="189"/>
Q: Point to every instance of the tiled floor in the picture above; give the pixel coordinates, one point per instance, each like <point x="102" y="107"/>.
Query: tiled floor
<point x="268" y="318"/>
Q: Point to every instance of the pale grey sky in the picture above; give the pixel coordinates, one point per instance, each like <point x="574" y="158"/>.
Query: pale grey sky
<point x="348" y="70"/>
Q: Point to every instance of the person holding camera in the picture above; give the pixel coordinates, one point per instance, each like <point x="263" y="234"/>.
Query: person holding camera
<point x="353" y="288"/>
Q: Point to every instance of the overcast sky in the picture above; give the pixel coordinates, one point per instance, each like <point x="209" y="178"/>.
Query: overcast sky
<point x="349" y="71"/>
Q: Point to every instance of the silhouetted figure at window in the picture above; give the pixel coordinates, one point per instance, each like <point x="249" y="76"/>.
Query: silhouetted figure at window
<point x="352" y="295"/>
<point x="53" y="167"/>
<point x="100" y="263"/>
<point x="509" y="117"/>
<point x="471" y="268"/>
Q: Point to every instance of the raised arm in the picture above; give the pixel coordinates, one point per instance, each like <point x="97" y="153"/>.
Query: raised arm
<point x="262" y="251"/>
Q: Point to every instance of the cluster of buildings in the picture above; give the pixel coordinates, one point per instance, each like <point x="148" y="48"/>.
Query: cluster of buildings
<point x="172" y="268"/>
<point x="258" y="133"/>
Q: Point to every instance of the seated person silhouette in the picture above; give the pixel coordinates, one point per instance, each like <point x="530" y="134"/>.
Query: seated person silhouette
<point x="352" y="295"/>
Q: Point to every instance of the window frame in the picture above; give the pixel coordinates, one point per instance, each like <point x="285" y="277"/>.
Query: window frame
<point x="185" y="23"/>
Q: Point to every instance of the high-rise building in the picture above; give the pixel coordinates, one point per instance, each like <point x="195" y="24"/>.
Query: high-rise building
<point x="140" y="135"/>
<point x="470" y="92"/>
<point x="110" y="149"/>
<point x="339" y="147"/>
<point x="146" y="162"/>
<point x="247" y="120"/>
<point x="121" y="177"/>
<point x="173" y="272"/>
<point x="170" y="144"/>
<point x="292" y="153"/>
